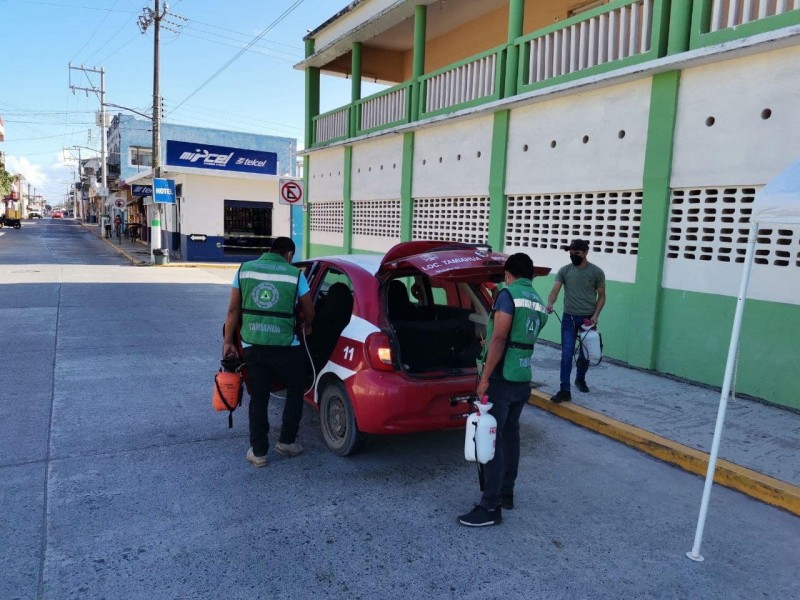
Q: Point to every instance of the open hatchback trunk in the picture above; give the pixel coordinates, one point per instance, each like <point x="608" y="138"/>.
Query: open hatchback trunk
<point x="436" y="298"/>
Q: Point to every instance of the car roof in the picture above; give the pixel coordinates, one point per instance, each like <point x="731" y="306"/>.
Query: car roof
<point x="371" y="263"/>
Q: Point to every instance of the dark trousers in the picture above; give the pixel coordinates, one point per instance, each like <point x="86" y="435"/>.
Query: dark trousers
<point x="570" y="326"/>
<point x="500" y="473"/>
<point x="265" y="366"/>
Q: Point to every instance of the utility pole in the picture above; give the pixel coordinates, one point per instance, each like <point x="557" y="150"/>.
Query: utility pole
<point x="101" y="95"/>
<point x="153" y="16"/>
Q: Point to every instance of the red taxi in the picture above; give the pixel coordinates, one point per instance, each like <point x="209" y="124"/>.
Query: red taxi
<point x="396" y="338"/>
<point x="57" y="214"/>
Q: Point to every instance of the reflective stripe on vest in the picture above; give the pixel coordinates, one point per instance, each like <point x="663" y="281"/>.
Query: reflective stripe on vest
<point x="528" y="319"/>
<point x="269" y="290"/>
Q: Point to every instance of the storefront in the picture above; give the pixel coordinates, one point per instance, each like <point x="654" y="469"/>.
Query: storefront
<point x="227" y="203"/>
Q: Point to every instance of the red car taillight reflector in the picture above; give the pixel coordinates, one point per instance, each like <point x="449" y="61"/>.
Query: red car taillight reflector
<point x="379" y="352"/>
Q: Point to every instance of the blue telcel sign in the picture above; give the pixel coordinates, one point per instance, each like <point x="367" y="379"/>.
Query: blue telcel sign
<point x="164" y="191"/>
<point x="221" y="158"/>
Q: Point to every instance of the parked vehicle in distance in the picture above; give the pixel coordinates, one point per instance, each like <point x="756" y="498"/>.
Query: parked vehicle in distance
<point x="395" y="338"/>
<point x="34" y="215"/>
<point x="57" y="214"/>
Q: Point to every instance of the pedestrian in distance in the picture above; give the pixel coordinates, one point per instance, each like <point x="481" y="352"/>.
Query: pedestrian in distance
<point x="262" y="308"/>
<point x="118" y="226"/>
<point x="584" y="297"/>
<point x="517" y="317"/>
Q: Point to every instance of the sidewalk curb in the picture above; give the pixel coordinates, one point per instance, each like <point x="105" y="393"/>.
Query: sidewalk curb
<point x="133" y="259"/>
<point x="757" y="485"/>
<point x="144" y="263"/>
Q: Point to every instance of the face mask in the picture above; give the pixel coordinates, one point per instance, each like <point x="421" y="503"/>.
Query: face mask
<point x="576" y="260"/>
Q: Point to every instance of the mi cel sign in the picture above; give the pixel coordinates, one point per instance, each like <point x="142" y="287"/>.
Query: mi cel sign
<point x="164" y="191"/>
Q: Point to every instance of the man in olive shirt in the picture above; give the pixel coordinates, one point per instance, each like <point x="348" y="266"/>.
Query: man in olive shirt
<point x="584" y="297"/>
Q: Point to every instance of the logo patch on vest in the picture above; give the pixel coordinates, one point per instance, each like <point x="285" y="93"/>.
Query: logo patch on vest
<point x="265" y="295"/>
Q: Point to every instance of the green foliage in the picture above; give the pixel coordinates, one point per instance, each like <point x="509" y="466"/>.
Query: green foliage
<point x="5" y="181"/>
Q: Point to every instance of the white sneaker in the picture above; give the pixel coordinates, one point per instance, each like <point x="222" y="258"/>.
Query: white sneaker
<point x="293" y="449"/>
<point x="256" y="461"/>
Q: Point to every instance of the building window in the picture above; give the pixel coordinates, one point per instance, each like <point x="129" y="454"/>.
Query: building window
<point x="141" y="157"/>
<point x="248" y="227"/>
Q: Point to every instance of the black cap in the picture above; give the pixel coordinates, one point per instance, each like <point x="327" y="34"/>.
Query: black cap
<point x="579" y="245"/>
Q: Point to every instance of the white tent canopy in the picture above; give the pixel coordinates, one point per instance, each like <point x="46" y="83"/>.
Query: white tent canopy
<point x="779" y="200"/>
<point x="776" y="203"/>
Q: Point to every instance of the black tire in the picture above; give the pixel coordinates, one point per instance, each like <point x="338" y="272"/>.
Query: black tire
<point x="338" y="421"/>
<point x="17" y="225"/>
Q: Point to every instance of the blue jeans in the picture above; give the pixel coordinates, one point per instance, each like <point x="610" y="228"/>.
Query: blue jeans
<point x="570" y="325"/>
<point x="508" y="399"/>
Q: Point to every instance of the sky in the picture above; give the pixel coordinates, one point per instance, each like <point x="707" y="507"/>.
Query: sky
<point x="260" y="92"/>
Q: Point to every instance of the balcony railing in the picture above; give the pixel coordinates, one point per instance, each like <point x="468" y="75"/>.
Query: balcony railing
<point x="730" y="13"/>
<point x="609" y="37"/>
<point x="332" y="126"/>
<point x="384" y="109"/>
<point x="716" y="21"/>
<point x="617" y="34"/>
<point x="473" y="81"/>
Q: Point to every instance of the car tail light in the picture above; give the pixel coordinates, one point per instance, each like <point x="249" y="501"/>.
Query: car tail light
<point x="379" y="352"/>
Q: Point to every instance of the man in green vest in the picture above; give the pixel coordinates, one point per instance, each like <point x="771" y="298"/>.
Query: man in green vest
<point x="262" y="305"/>
<point x="517" y="318"/>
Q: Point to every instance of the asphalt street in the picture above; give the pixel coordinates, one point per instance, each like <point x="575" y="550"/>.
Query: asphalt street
<point x="118" y="480"/>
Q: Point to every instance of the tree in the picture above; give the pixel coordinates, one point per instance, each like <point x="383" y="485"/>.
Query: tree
<point x="6" y="180"/>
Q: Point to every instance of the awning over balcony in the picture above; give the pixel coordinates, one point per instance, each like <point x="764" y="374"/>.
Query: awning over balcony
<point x="386" y="30"/>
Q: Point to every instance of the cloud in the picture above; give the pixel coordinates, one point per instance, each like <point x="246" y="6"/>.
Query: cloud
<point x="50" y="179"/>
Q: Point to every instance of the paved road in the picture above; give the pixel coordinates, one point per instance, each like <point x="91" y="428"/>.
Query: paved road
<point x="119" y="481"/>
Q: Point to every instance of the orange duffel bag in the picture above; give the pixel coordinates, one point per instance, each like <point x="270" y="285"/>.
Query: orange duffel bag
<point x="227" y="393"/>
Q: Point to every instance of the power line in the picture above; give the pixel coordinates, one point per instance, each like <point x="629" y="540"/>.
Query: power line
<point x="96" y="29"/>
<point x="269" y="28"/>
<point x="256" y="50"/>
<point x="76" y="6"/>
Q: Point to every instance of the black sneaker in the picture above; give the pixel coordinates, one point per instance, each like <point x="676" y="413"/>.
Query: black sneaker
<point x="581" y="385"/>
<point x="561" y="396"/>
<point x="507" y="501"/>
<point x="481" y="517"/>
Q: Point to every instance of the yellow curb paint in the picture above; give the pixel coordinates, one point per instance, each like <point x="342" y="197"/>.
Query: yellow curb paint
<point x="757" y="485"/>
<point x="139" y="262"/>
<point x="133" y="259"/>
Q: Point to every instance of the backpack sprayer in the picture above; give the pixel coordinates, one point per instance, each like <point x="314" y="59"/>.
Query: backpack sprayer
<point x="480" y="436"/>
<point x="589" y="342"/>
<point x="227" y="393"/>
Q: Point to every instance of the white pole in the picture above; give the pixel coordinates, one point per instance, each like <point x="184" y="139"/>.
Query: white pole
<point x="726" y="389"/>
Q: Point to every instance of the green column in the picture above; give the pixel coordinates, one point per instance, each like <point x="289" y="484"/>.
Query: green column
<point x="680" y="23"/>
<point x="355" y="89"/>
<point x="516" y="18"/>
<point x="418" y="68"/>
<point x="347" y="194"/>
<point x="312" y="110"/>
<point x="646" y="303"/>
<point x="307" y="212"/>
<point x="406" y="188"/>
<point x="312" y="96"/>
<point x="497" y="180"/>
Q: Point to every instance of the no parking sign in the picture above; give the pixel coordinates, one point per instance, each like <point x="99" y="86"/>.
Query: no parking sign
<point x="290" y="192"/>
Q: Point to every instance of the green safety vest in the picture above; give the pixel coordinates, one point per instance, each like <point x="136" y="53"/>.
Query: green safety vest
<point x="528" y="320"/>
<point x="269" y="290"/>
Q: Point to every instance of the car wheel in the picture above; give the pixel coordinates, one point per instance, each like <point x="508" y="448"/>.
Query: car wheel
<point x="338" y="422"/>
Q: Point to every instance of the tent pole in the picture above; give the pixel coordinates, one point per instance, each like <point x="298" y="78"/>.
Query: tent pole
<point x="726" y="389"/>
